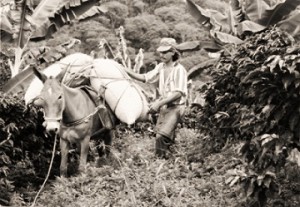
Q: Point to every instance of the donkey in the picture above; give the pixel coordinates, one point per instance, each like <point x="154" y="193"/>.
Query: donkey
<point x="72" y="114"/>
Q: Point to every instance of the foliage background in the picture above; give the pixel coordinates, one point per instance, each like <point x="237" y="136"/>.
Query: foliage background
<point x="25" y="156"/>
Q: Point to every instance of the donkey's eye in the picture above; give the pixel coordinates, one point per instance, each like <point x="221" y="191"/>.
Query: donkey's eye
<point x="59" y="97"/>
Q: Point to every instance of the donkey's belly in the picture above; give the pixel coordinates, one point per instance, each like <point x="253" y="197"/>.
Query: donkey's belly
<point x="75" y="133"/>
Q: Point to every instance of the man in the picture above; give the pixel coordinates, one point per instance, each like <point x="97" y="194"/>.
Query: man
<point x="171" y="77"/>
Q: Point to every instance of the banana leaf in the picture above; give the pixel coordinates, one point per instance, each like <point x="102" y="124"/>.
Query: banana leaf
<point x="263" y="13"/>
<point x="292" y="24"/>
<point x="19" y="82"/>
<point x="95" y="10"/>
<point x="224" y="38"/>
<point x="209" y="46"/>
<point x="197" y="69"/>
<point x="220" y="25"/>
<point x="253" y="16"/>
<point x="5" y="25"/>
<point x="69" y="11"/>
<point x="249" y="26"/>
<point x="201" y="15"/>
<point x="47" y="16"/>
<point x="215" y="20"/>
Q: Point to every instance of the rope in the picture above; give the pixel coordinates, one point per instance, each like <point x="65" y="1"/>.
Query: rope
<point x="72" y="64"/>
<point x="68" y="68"/>
<point x="48" y="174"/>
<point x="126" y="77"/>
<point x="79" y="121"/>
<point x="120" y="99"/>
<point x="104" y="87"/>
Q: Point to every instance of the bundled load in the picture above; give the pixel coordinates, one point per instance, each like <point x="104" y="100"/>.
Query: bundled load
<point x="124" y="96"/>
<point x="78" y="67"/>
<point x="107" y="77"/>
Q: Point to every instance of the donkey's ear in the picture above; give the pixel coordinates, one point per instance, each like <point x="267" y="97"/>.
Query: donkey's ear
<point x="61" y="75"/>
<point x="39" y="74"/>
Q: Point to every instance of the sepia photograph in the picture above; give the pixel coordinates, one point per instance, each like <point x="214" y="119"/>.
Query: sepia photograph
<point x="150" y="103"/>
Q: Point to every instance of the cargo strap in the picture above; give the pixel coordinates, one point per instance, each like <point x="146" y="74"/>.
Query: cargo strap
<point x="126" y="77"/>
<point x="104" y="88"/>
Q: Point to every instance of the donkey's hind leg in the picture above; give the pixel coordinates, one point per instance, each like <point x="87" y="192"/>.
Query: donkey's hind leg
<point x="105" y="143"/>
<point x="108" y="138"/>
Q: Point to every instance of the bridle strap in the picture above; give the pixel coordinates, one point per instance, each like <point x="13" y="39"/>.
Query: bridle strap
<point x="58" y="119"/>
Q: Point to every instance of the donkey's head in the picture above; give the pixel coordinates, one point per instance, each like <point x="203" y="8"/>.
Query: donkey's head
<point x="51" y="100"/>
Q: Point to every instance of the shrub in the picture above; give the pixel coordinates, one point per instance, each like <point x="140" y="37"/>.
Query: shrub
<point x="24" y="150"/>
<point x="254" y="97"/>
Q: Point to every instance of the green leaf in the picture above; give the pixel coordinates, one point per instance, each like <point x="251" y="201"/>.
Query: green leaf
<point x="274" y="63"/>
<point x="234" y="181"/>
<point x="45" y="10"/>
<point x="95" y="10"/>
<point x="293" y="120"/>
<point x="267" y="138"/>
<point x="262" y="12"/>
<point x="20" y="82"/>
<point x="249" y="26"/>
<point x="211" y="19"/>
<point x="268" y="109"/>
<point x="224" y="38"/>
<point x="232" y="22"/>
<point x="5" y="23"/>
<point x="201" y="15"/>
<point x="291" y="24"/>
<point x="64" y="13"/>
<point x="287" y="80"/>
<point x="270" y="173"/>
<point x="260" y="179"/>
<point x="255" y="9"/>
<point x="250" y="189"/>
<point x="253" y="74"/>
<point x="267" y="181"/>
<point x="48" y="16"/>
<point x="294" y="156"/>
<point x="228" y="180"/>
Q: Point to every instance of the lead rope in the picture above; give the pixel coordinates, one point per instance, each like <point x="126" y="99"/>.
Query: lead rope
<point x="48" y="174"/>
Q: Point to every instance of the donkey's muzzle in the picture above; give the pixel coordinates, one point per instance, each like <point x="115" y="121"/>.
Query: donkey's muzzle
<point x="52" y="127"/>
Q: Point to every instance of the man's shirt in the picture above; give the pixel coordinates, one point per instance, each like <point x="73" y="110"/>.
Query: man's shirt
<point x="176" y="81"/>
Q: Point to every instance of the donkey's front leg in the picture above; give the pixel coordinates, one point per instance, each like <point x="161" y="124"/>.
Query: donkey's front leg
<point x="84" y="150"/>
<point x="64" y="150"/>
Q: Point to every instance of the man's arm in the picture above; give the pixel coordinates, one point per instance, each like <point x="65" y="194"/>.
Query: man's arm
<point x="160" y="102"/>
<point x="134" y="75"/>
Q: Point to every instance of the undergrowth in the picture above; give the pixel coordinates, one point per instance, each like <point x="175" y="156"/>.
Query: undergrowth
<point x="133" y="176"/>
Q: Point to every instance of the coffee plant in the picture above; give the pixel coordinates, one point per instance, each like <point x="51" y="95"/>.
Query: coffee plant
<point x="25" y="152"/>
<point x="254" y="97"/>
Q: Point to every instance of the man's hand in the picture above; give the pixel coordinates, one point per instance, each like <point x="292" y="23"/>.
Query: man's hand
<point x="154" y="108"/>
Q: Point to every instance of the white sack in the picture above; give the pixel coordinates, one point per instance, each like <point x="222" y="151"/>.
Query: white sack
<point x="123" y="96"/>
